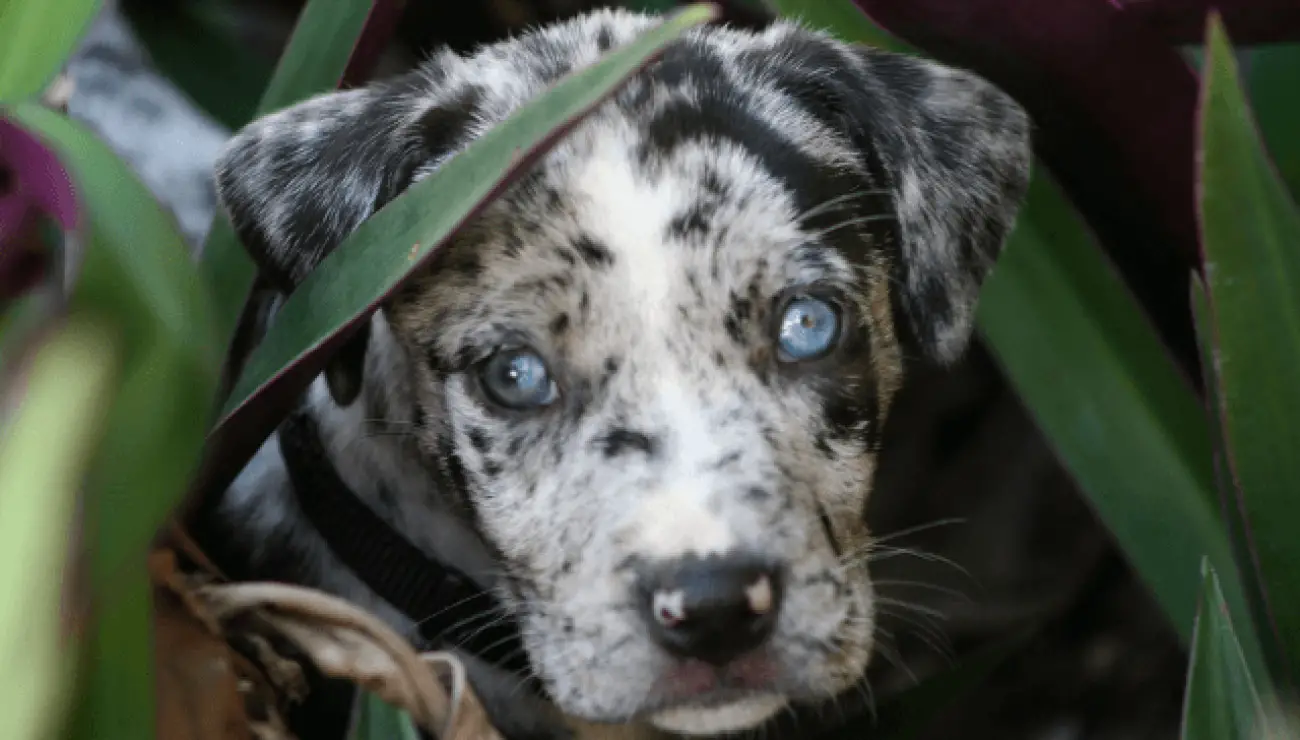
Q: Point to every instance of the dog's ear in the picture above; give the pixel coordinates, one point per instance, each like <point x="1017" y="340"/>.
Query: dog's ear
<point x="297" y="182"/>
<point x="954" y="153"/>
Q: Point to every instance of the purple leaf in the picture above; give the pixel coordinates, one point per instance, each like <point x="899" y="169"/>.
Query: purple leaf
<point x="33" y="186"/>
<point x="1114" y="108"/>
<point x="380" y="26"/>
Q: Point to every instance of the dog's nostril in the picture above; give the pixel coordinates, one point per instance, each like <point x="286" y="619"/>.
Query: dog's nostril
<point x="713" y="609"/>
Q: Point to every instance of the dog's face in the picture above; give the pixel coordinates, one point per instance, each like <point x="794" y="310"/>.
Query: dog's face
<point x="654" y="372"/>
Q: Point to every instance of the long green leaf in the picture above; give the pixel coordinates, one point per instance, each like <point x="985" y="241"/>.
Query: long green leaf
<point x="401" y="237"/>
<point x="138" y="271"/>
<point x="36" y="38"/>
<point x="44" y="450"/>
<point x="1273" y="78"/>
<point x="843" y="19"/>
<point x="1251" y="240"/>
<point x="136" y="274"/>
<point x="186" y="41"/>
<point x="1221" y="701"/>
<point x="1094" y="374"/>
<point x="1229" y="502"/>
<point x="313" y="62"/>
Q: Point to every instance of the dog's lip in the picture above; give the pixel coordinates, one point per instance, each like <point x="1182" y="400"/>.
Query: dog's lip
<point x="692" y="683"/>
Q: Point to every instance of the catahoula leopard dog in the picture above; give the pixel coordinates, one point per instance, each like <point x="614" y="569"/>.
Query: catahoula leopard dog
<point x="638" y="400"/>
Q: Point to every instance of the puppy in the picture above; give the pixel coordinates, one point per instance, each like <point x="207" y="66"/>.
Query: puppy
<point x="639" y="399"/>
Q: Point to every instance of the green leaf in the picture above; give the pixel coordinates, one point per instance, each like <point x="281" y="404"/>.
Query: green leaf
<point x="369" y="265"/>
<point x="1251" y="239"/>
<point x="36" y="38"/>
<point x="1238" y="534"/>
<point x="1273" y="78"/>
<point x="845" y="20"/>
<point x="379" y="720"/>
<point x="313" y="62"/>
<point x="1125" y="423"/>
<point x="45" y="448"/>
<point x="136" y="276"/>
<point x="187" y="40"/>
<point x="1221" y="701"/>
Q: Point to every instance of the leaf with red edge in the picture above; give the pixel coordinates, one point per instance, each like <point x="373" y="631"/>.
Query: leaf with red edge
<point x="402" y="238"/>
<point x="1251" y="238"/>
<point x="317" y="57"/>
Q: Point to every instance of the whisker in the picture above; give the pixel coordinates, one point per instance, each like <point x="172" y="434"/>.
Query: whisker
<point x="918" y="529"/>
<point x="831" y="203"/>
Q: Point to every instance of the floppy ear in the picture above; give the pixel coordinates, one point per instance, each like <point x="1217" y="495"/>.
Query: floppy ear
<point x="957" y="157"/>
<point x="296" y="183"/>
<point x="953" y="152"/>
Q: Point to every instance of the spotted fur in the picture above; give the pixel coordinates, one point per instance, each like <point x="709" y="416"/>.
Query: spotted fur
<point x="646" y="258"/>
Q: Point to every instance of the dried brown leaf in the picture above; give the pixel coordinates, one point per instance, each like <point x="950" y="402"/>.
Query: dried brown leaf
<point x="346" y="642"/>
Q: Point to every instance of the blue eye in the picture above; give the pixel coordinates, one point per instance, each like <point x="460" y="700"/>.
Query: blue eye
<point x="809" y="329"/>
<point x="518" y="379"/>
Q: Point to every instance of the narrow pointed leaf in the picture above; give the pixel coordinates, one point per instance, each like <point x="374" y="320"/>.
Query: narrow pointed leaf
<point x="1230" y="501"/>
<point x="65" y="394"/>
<point x="403" y="236"/>
<point x="843" y="19"/>
<point x="36" y="38"/>
<point x="1251" y="240"/>
<point x="1273" y="78"/>
<point x="313" y="62"/>
<point x="136" y="277"/>
<point x="137" y="272"/>
<point x="1221" y="701"/>
<point x="1125" y="423"/>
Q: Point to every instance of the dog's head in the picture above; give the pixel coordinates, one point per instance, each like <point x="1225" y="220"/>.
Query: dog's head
<point x="654" y="372"/>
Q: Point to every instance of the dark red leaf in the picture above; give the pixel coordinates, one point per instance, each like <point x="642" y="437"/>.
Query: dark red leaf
<point x="1249" y="21"/>
<point x="380" y="26"/>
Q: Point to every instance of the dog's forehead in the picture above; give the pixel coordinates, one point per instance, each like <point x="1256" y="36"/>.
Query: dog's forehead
<point x="680" y="195"/>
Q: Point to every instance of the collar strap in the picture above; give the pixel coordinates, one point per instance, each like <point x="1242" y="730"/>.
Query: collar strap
<point x="448" y="607"/>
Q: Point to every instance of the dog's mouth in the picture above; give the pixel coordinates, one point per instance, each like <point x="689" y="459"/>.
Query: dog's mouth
<point x="696" y="698"/>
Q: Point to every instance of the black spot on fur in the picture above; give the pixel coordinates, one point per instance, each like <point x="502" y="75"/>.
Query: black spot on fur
<point x="732" y="326"/>
<point x="691" y="223"/>
<point x="618" y="441"/>
<point x="604" y="39"/>
<point x="593" y="252"/>
<point x="491" y="469"/>
<point x="478" y="439"/>
<point x="560" y="324"/>
<point x="611" y="368"/>
<point x="730" y="458"/>
<point x="825" y="519"/>
<point x="757" y="493"/>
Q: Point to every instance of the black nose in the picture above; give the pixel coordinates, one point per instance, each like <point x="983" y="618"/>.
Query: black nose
<point x="712" y="609"/>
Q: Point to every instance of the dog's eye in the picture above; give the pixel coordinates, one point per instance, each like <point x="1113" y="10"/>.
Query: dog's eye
<point x="809" y="328"/>
<point x="518" y="379"/>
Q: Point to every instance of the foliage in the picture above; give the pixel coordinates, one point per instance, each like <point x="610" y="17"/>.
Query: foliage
<point x="1175" y="410"/>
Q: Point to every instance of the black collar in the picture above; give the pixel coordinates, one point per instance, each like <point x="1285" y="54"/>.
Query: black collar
<point x="450" y="609"/>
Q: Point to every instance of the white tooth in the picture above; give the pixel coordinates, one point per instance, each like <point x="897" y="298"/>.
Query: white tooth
<point x="668" y="607"/>
<point x="759" y="594"/>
